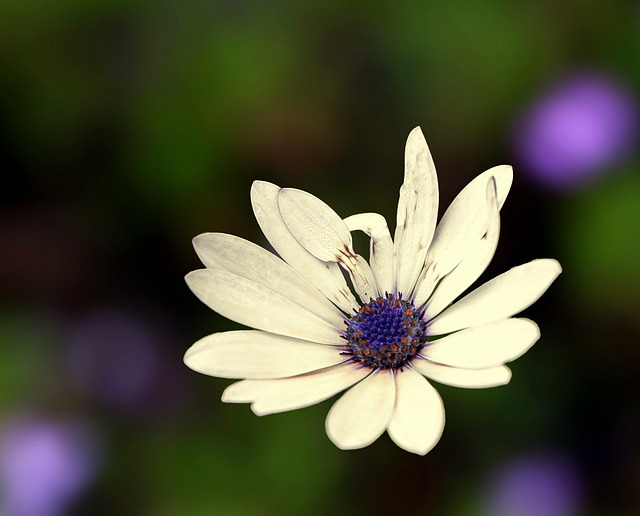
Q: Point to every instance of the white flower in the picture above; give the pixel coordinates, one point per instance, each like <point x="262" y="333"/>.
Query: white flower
<point x="314" y="339"/>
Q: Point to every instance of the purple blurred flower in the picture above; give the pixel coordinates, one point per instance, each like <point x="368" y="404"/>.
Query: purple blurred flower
<point x="535" y="485"/>
<point x="113" y="357"/>
<point x="44" y="465"/>
<point x="577" y="129"/>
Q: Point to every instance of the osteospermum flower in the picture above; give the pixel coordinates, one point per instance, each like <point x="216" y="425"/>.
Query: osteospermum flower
<point x="382" y="342"/>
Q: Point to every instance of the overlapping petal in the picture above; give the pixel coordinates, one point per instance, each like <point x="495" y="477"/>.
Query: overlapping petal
<point x="273" y="396"/>
<point x="252" y="304"/>
<point x="362" y="414"/>
<point x="418" y="418"/>
<point x="325" y="276"/>
<point x="322" y="232"/>
<point x="472" y="266"/>
<point x="464" y="225"/>
<point x="233" y="254"/>
<point x="258" y="354"/>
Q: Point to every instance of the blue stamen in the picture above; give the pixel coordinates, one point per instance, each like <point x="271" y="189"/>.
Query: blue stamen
<point x="385" y="333"/>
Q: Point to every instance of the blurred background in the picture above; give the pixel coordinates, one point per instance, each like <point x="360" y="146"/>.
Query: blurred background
<point x="128" y="127"/>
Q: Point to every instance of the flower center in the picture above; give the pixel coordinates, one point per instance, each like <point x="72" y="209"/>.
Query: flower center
<point x="385" y="333"/>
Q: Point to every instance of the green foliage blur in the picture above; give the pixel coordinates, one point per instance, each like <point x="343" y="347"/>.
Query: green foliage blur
<point x="129" y="127"/>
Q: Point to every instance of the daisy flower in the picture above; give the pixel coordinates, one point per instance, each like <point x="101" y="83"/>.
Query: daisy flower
<point x="386" y="332"/>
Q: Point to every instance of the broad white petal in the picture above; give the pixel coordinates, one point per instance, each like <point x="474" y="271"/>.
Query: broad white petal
<point x="418" y="419"/>
<point x="233" y="254"/>
<point x="499" y="298"/>
<point x="306" y="390"/>
<point x="473" y="264"/>
<point x="258" y="355"/>
<point x="381" y="258"/>
<point x="321" y="231"/>
<point x="362" y="414"/>
<point x="482" y="347"/>
<point x="255" y="305"/>
<point x="325" y="276"/>
<point x="417" y="212"/>
<point x="466" y="378"/>
<point x="272" y="396"/>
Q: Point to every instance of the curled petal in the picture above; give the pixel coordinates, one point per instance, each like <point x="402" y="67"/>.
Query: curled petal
<point x="382" y="258"/>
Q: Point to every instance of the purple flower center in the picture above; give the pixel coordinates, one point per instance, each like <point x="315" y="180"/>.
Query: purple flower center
<point x="385" y="333"/>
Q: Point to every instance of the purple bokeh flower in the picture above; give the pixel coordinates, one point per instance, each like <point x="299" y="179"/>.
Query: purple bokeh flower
<point x="44" y="465"/>
<point x="535" y="485"/>
<point x="112" y="356"/>
<point x="576" y="129"/>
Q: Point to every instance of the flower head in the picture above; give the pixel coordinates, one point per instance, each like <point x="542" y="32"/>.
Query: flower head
<point x="383" y="335"/>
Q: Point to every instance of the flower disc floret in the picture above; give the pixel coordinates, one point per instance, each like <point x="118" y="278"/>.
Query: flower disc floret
<point x="385" y="333"/>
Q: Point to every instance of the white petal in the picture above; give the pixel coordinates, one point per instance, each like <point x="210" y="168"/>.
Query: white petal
<point x="272" y="396"/>
<point x="499" y="298"/>
<point x="482" y="347"/>
<point x="362" y="414"/>
<point x="233" y="254"/>
<point x="321" y="231"/>
<point x="417" y="212"/>
<point x="325" y="276"/>
<point x="466" y="378"/>
<point x="255" y="305"/>
<point x="258" y="355"/>
<point x="418" y="419"/>
<point x="382" y="258"/>
<point x="244" y="391"/>
<point x="471" y="267"/>
<point x="309" y="389"/>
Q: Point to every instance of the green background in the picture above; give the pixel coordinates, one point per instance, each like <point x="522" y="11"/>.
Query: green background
<point x="128" y="127"/>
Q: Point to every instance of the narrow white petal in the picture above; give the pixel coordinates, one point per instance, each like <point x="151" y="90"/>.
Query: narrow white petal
<point x="482" y="347"/>
<point x="233" y="254"/>
<point x="306" y="390"/>
<point x="321" y="231"/>
<point x="325" y="276"/>
<point x="466" y="378"/>
<point x="255" y="305"/>
<point x="244" y="391"/>
<point x="417" y="212"/>
<point x="272" y="396"/>
<point x="382" y="258"/>
<point x="472" y="266"/>
<point x="499" y="298"/>
<point x="258" y="355"/>
<point x="418" y="419"/>
<point x="362" y="414"/>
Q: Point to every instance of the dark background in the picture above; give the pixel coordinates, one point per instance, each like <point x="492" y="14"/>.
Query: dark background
<point x="128" y="127"/>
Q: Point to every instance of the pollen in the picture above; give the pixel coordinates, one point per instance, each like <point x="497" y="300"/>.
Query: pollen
<point x="385" y="333"/>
